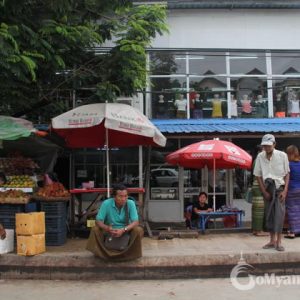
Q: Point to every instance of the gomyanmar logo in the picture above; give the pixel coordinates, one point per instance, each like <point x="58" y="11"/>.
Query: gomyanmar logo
<point x="242" y="270"/>
<point x="242" y="279"/>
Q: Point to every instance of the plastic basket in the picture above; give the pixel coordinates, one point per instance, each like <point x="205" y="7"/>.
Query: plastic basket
<point x="56" y="238"/>
<point x="54" y="208"/>
<point x="31" y="207"/>
<point x="55" y="224"/>
<point x="11" y="209"/>
<point x="8" y="221"/>
<point x="51" y="199"/>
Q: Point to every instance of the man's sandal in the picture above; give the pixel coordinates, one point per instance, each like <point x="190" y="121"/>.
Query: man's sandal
<point x="279" y="248"/>
<point x="268" y="246"/>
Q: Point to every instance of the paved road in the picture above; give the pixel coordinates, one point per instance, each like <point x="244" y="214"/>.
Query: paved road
<point x="147" y="290"/>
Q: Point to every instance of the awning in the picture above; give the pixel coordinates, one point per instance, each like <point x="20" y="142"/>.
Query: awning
<point x="227" y="126"/>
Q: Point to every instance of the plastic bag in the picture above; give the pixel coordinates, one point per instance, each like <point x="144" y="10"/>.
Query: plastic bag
<point x="47" y="180"/>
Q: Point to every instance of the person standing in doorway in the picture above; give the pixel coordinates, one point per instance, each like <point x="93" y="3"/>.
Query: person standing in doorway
<point x="272" y="173"/>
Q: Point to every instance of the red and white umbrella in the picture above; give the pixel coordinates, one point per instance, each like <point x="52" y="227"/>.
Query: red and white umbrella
<point x="106" y="124"/>
<point x="215" y="154"/>
<point x="87" y="126"/>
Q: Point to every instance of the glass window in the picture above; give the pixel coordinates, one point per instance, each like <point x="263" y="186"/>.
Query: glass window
<point x="166" y="63"/>
<point x="208" y="97"/>
<point x="91" y="166"/>
<point x="286" y="95"/>
<point x="163" y="178"/>
<point x="165" y="96"/>
<point x="201" y="63"/>
<point x="241" y="181"/>
<point x="249" y="97"/>
<point x="286" y="63"/>
<point x="247" y="63"/>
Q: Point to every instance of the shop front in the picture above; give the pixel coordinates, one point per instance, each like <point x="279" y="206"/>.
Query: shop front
<point x="167" y="202"/>
<point x="171" y="189"/>
<point x="227" y="73"/>
<point x="231" y="73"/>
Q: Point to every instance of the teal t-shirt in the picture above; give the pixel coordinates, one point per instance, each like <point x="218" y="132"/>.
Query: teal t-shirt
<point x="109" y="214"/>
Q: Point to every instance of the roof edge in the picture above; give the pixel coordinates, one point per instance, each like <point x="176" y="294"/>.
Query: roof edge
<point x="230" y="4"/>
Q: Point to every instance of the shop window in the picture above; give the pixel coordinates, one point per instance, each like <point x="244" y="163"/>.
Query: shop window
<point x="241" y="181"/>
<point x="164" y="183"/>
<point x="163" y="178"/>
<point x="286" y="95"/>
<point x="91" y="166"/>
<point x="247" y="63"/>
<point x="285" y="63"/>
<point x="166" y="94"/>
<point x="203" y="85"/>
<point x="166" y="63"/>
<point x="202" y="63"/>
<point x="249" y="97"/>
<point x="208" y="97"/>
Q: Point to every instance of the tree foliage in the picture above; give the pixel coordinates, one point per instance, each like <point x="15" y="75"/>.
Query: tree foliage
<point x="47" y="50"/>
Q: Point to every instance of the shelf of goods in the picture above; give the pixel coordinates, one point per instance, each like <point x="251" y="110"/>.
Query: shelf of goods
<point x="54" y="192"/>
<point x="21" y="180"/>
<point x="13" y="196"/>
<point x="17" y="188"/>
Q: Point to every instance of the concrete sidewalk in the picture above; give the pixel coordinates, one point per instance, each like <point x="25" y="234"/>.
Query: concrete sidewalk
<point x="209" y="255"/>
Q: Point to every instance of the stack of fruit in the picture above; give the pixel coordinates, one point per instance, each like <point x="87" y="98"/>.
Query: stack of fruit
<point x="54" y="190"/>
<point x="14" y="197"/>
<point x="19" y="181"/>
<point x="18" y="166"/>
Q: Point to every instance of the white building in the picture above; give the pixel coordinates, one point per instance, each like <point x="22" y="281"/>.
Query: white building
<point x="219" y="50"/>
<point x="216" y="51"/>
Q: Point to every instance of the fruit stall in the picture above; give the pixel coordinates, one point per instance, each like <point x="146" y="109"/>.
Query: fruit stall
<point x="19" y="179"/>
<point x="25" y="157"/>
<point x="21" y="192"/>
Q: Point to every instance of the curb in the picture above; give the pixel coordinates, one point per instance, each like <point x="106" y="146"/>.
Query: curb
<point x="84" y="266"/>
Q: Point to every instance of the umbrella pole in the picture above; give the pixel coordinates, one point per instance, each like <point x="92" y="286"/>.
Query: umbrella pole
<point x="214" y="188"/>
<point x="107" y="163"/>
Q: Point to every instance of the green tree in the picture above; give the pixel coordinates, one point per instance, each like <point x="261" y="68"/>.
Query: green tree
<point x="48" y="49"/>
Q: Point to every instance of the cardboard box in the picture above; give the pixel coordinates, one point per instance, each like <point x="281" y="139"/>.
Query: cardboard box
<point x="30" y="223"/>
<point x="31" y="244"/>
<point x="7" y="245"/>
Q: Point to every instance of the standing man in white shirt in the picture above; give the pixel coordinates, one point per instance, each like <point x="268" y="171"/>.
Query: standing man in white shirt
<point x="272" y="172"/>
